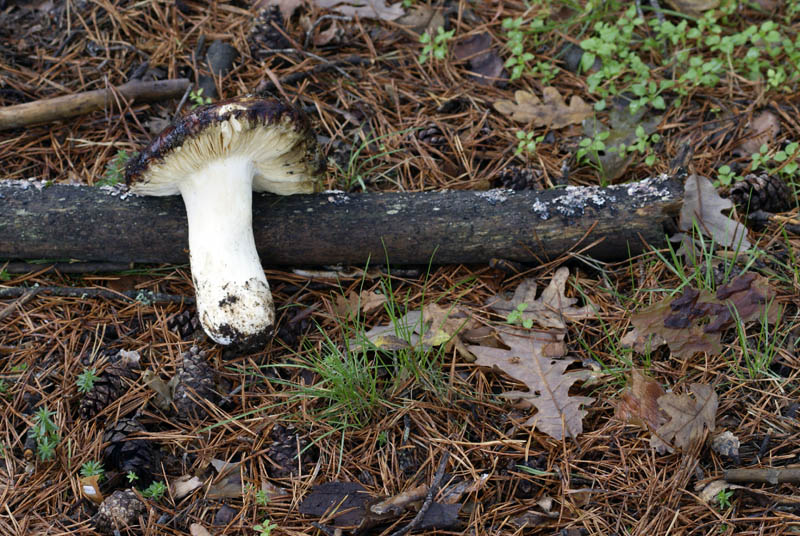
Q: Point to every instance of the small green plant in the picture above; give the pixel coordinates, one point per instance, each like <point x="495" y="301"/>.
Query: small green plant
<point x="45" y="432"/>
<point x="4" y="275"/>
<point x="383" y="438"/>
<point x="86" y="379"/>
<point x="262" y="497"/>
<point x="265" y="527"/>
<point x="3" y="387"/>
<point x="435" y="47"/>
<point x="19" y="367"/>
<point x="515" y="317"/>
<point x="725" y="176"/>
<point x="197" y="98"/>
<point x="115" y="169"/>
<point x="92" y="468"/>
<point x="527" y="142"/>
<point x="724" y="498"/>
<point x="155" y="491"/>
<point x="592" y="147"/>
<point x="132" y="477"/>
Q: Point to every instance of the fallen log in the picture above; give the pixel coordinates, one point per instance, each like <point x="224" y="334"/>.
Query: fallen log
<point x="67" y="106"/>
<point x="62" y="223"/>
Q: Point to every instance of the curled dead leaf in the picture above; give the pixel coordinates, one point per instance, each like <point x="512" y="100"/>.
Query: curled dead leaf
<point x="550" y="111"/>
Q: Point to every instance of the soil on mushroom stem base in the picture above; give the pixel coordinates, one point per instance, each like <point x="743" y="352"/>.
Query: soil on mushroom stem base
<point x="311" y="406"/>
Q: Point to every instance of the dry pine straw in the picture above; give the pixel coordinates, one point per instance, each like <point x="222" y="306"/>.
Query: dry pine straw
<point x="607" y="481"/>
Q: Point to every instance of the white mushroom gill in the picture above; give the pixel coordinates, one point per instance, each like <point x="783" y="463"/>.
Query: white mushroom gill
<point x="233" y="298"/>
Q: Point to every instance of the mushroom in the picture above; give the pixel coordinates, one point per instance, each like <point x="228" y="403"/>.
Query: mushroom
<point x="215" y="157"/>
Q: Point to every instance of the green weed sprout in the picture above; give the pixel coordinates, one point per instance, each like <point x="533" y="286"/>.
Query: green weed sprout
<point x="197" y="98"/>
<point x="155" y="491"/>
<point x="265" y="527"/>
<point x="115" y="169"/>
<point x="86" y="379"/>
<point x="724" y="498"/>
<point x="262" y="498"/>
<point x="515" y="316"/>
<point x="45" y="432"/>
<point x="92" y="468"/>
<point x="435" y="47"/>
<point x="132" y="477"/>
<point x="527" y="142"/>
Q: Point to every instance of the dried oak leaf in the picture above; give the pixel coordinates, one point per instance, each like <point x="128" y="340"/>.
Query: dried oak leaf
<point x="693" y="7"/>
<point x="533" y="360"/>
<point x="690" y="417"/>
<point x="639" y="403"/>
<point x="763" y="129"/>
<point x="550" y="111"/>
<point x="551" y="310"/>
<point x="365" y="9"/>
<point x="693" y="322"/>
<point x="703" y="205"/>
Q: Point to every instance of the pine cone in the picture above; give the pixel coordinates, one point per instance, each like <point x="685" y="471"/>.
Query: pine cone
<point x="196" y="380"/>
<point x="516" y="178"/>
<point x="761" y="192"/>
<point x="284" y="450"/>
<point x="121" y="509"/>
<point x="433" y="136"/>
<point x="264" y="34"/>
<point x="111" y="384"/>
<point x="136" y="455"/>
<point x="186" y="324"/>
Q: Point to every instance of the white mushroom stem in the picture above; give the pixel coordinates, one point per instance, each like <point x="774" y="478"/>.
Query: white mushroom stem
<point x="233" y="298"/>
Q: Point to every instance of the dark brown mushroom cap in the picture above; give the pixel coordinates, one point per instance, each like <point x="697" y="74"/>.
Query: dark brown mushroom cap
<point x="249" y="111"/>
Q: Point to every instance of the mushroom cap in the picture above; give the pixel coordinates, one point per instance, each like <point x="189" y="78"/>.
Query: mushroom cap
<point x="275" y="135"/>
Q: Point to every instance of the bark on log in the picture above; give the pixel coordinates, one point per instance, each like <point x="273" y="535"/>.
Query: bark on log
<point x="62" y="222"/>
<point x="67" y="106"/>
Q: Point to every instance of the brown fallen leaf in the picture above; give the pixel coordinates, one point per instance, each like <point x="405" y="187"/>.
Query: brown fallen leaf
<point x="551" y="111"/>
<point x="346" y="306"/>
<point x="184" y="485"/>
<point x="444" y="323"/>
<point x="196" y="529"/>
<point x="532" y="359"/>
<point x="371" y="301"/>
<point x="485" y="65"/>
<point x="694" y="320"/>
<point x="551" y="310"/>
<point x="710" y="493"/>
<point x="639" y="403"/>
<point x="702" y="206"/>
<point x="422" y="18"/>
<point x="689" y="418"/>
<point x="693" y="7"/>
<point x="763" y="129"/>
<point x="343" y="503"/>
<point x="365" y="9"/>
<point x="641" y="343"/>
<point x="90" y="488"/>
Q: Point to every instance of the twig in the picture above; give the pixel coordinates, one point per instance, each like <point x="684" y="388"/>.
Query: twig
<point x="182" y="102"/>
<point x="310" y="32"/>
<point x="8" y="309"/>
<point x="67" y="267"/>
<point x="764" y="476"/>
<point x="49" y="110"/>
<point x="144" y="296"/>
<point x="437" y="481"/>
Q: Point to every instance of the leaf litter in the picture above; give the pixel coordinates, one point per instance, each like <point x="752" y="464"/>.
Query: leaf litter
<point x="629" y="486"/>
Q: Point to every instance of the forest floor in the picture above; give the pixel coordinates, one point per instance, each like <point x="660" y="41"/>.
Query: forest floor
<point x="616" y="399"/>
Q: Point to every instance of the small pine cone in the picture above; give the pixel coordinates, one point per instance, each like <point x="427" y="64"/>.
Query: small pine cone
<point x="284" y="450"/>
<point x="111" y="384"/>
<point x="761" y="192"/>
<point x="516" y="178"/>
<point x="196" y="380"/>
<point x="125" y="454"/>
<point x="119" y="510"/>
<point x="186" y="324"/>
<point x="433" y="136"/>
<point x="264" y="34"/>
